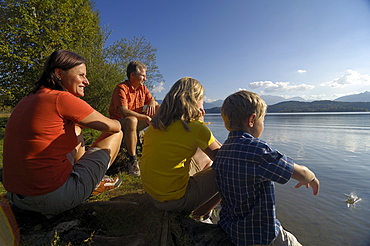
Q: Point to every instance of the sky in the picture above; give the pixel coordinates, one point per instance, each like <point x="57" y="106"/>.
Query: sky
<point x="314" y="49"/>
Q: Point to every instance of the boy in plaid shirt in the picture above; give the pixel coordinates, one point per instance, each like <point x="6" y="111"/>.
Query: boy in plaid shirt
<point x="246" y="168"/>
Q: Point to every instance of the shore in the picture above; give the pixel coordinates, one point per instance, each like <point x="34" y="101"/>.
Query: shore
<point x="123" y="216"/>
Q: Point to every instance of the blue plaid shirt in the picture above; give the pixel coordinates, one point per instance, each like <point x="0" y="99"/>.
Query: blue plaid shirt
<point x="246" y="169"/>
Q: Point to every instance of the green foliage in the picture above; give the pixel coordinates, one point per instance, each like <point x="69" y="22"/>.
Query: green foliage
<point x="90" y="135"/>
<point x="123" y="51"/>
<point x="103" y="78"/>
<point x="30" y="30"/>
<point x="3" y="121"/>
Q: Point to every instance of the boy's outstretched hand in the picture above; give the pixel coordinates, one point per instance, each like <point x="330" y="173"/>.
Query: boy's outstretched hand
<point x="306" y="177"/>
<point x="314" y="183"/>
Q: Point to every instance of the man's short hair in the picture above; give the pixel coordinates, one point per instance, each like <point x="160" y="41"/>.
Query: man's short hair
<point x="134" y="66"/>
<point x="238" y="107"/>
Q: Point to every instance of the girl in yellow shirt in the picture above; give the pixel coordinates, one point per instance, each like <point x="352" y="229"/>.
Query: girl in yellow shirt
<point x="176" y="145"/>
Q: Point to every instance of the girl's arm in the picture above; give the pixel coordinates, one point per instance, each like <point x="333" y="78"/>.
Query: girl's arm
<point x="204" y="158"/>
<point x="306" y="177"/>
<point x="212" y="149"/>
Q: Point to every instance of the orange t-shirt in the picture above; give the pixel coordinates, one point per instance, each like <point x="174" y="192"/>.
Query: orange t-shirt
<point x="125" y="95"/>
<point x="38" y="136"/>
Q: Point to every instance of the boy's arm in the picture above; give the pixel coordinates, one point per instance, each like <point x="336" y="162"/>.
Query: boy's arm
<point x="306" y="177"/>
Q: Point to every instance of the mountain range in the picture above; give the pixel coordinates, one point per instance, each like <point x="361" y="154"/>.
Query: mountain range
<point x="271" y="100"/>
<point x="362" y="97"/>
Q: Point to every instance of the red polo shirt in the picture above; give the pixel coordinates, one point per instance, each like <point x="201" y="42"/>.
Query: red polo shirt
<point x="126" y="95"/>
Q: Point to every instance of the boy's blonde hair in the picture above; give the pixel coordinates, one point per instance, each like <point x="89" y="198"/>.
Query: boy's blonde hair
<point x="180" y="103"/>
<point x="238" y="107"/>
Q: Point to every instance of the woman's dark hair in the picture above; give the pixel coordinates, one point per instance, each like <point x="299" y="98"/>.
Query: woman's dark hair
<point x="62" y="59"/>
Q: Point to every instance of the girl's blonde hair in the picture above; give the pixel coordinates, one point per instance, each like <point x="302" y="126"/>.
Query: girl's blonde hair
<point x="238" y="107"/>
<point x="180" y="103"/>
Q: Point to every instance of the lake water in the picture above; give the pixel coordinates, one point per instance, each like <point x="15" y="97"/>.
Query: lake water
<point x="336" y="146"/>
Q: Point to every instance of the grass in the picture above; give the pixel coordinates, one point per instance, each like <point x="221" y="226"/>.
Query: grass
<point x="122" y="214"/>
<point x="3" y="121"/>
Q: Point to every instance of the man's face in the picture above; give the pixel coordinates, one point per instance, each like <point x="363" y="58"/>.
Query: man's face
<point x="138" y="79"/>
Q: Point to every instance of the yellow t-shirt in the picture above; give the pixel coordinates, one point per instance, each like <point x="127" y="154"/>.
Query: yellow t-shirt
<point x="166" y="156"/>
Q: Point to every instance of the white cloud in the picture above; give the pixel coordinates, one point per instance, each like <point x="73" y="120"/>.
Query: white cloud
<point x="208" y="100"/>
<point x="157" y="88"/>
<point x="302" y="71"/>
<point x="316" y="97"/>
<point x="350" y="77"/>
<point x="279" y="86"/>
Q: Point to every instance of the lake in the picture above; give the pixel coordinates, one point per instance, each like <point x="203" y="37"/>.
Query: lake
<point x="336" y="147"/>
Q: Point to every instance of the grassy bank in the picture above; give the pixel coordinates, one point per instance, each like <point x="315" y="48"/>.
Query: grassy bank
<point x="3" y="120"/>
<point x="109" y="219"/>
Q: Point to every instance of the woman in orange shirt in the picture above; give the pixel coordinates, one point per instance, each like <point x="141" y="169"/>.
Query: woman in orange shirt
<point x="45" y="166"/>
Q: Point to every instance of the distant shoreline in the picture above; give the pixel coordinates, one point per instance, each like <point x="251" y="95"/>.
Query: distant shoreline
<point x="311" y="107"/>
<point x="303" y="113"/>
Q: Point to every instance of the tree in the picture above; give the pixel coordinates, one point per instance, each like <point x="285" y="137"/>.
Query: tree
<point x="30" y="30"/>
<point x="103" y="78"/>
<point x="123" y="51"/>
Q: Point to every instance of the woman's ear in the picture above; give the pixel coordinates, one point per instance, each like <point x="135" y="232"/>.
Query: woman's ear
<point x="58" y="72"/>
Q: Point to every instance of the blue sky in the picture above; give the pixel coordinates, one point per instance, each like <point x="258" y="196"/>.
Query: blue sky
<point x="315" y="49"/>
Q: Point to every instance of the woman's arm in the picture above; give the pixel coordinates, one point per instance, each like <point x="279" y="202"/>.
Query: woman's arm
<point x="99" y="122"/>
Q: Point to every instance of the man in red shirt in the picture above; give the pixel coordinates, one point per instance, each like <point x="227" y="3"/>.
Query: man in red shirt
<point x="128" y="101"/>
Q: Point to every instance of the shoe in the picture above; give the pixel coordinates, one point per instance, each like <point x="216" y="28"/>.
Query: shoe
<point x="107" y="183"/>
<point x="207" y="221"/>
<point x="215" y="214"/>
<point x="133" y="168"/>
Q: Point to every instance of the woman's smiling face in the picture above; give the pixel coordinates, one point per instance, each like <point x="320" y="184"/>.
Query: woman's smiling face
<point x="74" y="80"/>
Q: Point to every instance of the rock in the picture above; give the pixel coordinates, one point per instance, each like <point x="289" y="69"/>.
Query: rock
<point x="129" y="220"/>
<point x="202" y="234"/>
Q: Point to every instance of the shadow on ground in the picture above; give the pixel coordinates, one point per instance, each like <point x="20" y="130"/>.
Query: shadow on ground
<point x="123" y="220"/>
